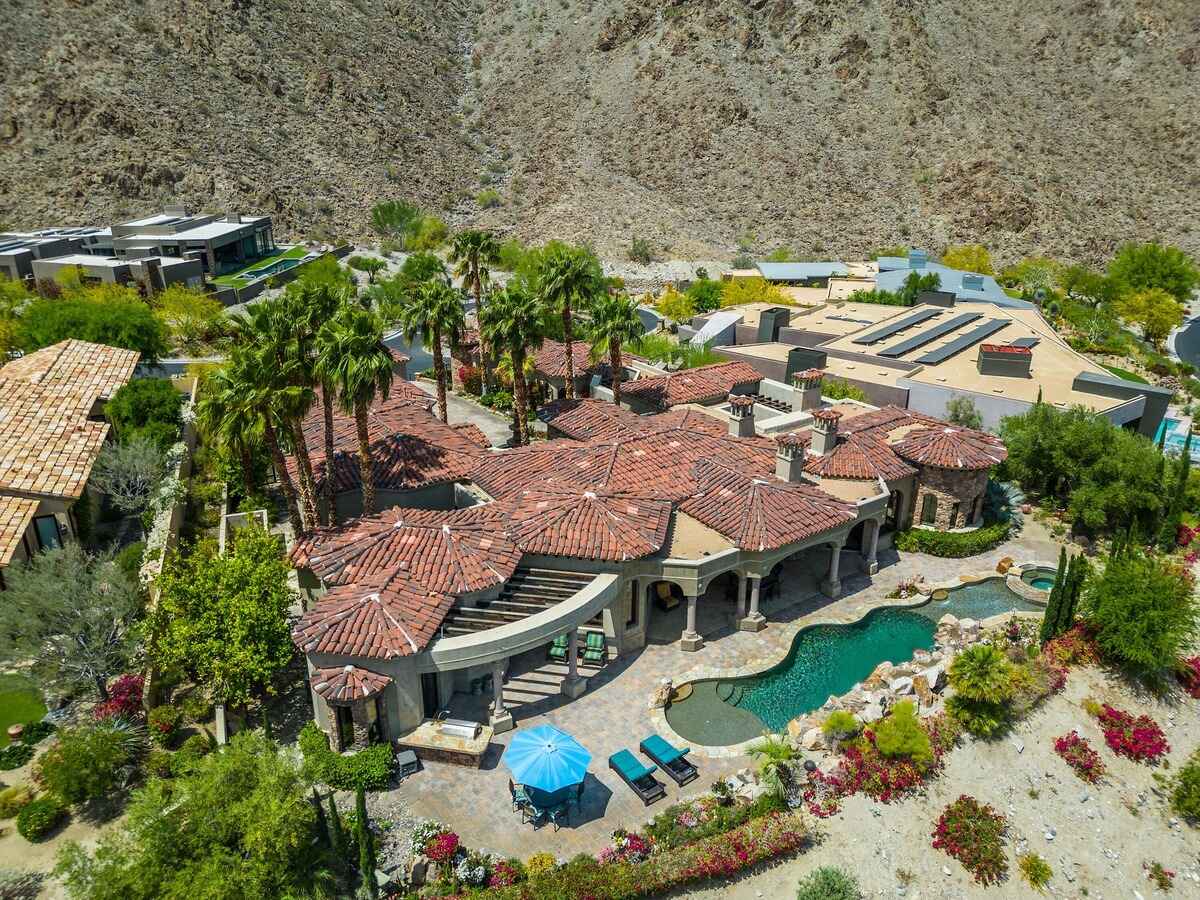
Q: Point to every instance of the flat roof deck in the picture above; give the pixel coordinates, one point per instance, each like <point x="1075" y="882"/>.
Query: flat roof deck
<point x="845" y="318"/>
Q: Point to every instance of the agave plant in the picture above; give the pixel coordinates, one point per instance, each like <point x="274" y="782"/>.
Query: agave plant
<point x="1002" y="503"/>
<point x="775" y="757"/>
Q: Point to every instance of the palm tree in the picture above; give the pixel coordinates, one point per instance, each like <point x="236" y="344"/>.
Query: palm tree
<point x="473" y="253"/>
<point x="569" y="276"/>
<point x="775" y="756"/>
<point x="515" y="321"/>
<point x="434" y="311"/>
<point x="615" y="322"/>
<point x="358" y="365"/>
<point x="982" y="673"/>
<point x="227" y="420"/>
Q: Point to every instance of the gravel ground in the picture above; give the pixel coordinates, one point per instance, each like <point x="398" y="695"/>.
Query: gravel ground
<point x="1095" y="837"/>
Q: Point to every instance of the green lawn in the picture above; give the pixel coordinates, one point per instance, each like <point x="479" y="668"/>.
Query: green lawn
<point x="1127" y="375"/>
<point x="20" y="702"/>
<point x="234" y="279"/>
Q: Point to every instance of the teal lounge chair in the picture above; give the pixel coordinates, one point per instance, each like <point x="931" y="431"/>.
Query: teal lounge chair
<point x="558" y="649"/>
<point x="640" y="778"/>
<point x="670" y="759"/>
<point x="593" y="650"/>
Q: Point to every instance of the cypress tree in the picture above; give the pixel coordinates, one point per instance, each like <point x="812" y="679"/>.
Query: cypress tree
<point x="337" y="835"/>
<point x="1053" y="604"/>
<point x="1066" y="610"/>
<point x="1080" y="572"/>
<point x="322" y="823"/>
<point x="366" y="847"/>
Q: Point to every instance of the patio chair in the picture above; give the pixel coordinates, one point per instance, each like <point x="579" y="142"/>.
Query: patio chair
<point x="558" y="815"/>
<point x="670" y="759"/>
<point x="558" y="649"/>
<point x="640" y="778"/>
<point x="594" y="652"/>
<point x="519" y="798"/>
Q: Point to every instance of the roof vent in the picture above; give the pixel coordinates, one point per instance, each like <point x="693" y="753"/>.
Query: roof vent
<point x="917" y="259"/>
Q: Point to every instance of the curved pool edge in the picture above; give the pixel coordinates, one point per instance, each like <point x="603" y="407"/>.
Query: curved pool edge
<point x="760" y="665"/>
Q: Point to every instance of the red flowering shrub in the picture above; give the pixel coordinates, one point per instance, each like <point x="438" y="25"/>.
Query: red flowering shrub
<point x="442" y="847"/>
<point x="1185" y="535"/>
<point x="1080" y="756"/>
<point x="627" y="847"/>
<point x="1189" y="676"/>
<point x="1139" y="738"/>
<point x="728" y="854"/>
<point x="503" y="874"/>
<point x="124" y="699"/>
<point x="471" y="379"/>
<point x="1074" y="647"/>
<point x="973" y="833"/>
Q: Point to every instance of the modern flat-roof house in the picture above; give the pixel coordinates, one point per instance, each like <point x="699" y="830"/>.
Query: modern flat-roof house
<point x="18" y="252"/>
<point x="617" y="525"/>
<point x="51" y="431"/>
<point x="1002" y="357"/>
<point x="153" y="273"/>
<point x="221" y="245"/>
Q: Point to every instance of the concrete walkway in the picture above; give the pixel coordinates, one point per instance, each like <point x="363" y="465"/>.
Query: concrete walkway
<point x="613" y="713"/>
<point x="497" y="427"/>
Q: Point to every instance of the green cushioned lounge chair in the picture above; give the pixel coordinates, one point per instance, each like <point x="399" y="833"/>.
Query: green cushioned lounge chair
<point x="640" y="778"/>
<point x="670" y="759"/>
<point x="558" y="649"/>
<point x="593" y="650"/>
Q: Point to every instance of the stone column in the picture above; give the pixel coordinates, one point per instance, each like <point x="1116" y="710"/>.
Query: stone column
<point x="741" y="603"/>
<point x="502" y="719"/>
<point x="691" y="639"/>
<point x="572" y="686"/>
<point x="754" y="620"/>
<point x="362" y="725"/>
<point x="872" y="562"/>
<point x="832" y="585"/>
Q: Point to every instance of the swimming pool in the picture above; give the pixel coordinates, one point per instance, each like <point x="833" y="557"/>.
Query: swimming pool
<point x="1040" y="577"/>
<point x="1173" y="433"/>
<point x="824" y="660"/>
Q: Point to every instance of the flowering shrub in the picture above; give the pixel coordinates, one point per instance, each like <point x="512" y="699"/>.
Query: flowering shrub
<point x="471" y="379"/>
<point x="442" y="847"/>
<point x="503" y="874"/>
<point x="124" y="699"/>
<point x="630" y="848"/>
<point x="864" y="768"/>
<point x="973" y="833"/>
<point x="1139" y="738"/>
<point x="1074" y="647"/>
<point x="164" y="723"/>
<point x="471" y="869"/>
<point x="1080" y="756"/>
<point x="539" y="864"/>
<point x="1184" y="535"/>
<point x="1162" y="877"/>
<point x="693" y="820"/>
<point x="1189" y="676"/>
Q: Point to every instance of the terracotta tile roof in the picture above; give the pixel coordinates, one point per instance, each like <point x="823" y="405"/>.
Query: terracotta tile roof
<point x="741" y="401"/>
<point x="885" y="419"/>
<point x="551" y="359"/>
<point x="380" y="619"/>
<point x="705" y="384"/>
<point x="761" y="512"/>
<point x="345" y="684"/>
<point x="795" y="438"/>
<point x="859" y="457"/>
<point x="47" y="444"/>
<point x="410" y="447"/>
<point x="586" y="419"/>
<point x="809" y="375"/>
<point x="1006" y="348"/>
<point x="94" y="370"/>
<point x="572" y="521"/>
<point x="826" y="414"/>
<point x="15" y="515"/>
<point x="951" y="447"/>
<point x="443" y="551"/>
<point x="473" y="433"/>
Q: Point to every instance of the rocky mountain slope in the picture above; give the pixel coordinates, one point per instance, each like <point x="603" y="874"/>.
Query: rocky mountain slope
<point x="828" y="126"/>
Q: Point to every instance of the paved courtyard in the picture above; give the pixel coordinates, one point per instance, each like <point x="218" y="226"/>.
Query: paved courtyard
<point x="614" y="714"/>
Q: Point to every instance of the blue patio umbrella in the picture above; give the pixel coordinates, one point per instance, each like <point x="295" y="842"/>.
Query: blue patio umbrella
<point x="546" y="759"/>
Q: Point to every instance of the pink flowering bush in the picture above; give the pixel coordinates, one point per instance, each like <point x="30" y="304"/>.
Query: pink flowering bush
<point x="443" y="847"/>
<point x="1139" y="738"/>
<point x="124" y="699"/>
<point x="1189" y="676"/>
<point x="503" y="874"/>
<point x="627" y="847"/>
<point x="1185" y="535"/>
<point x="973" y="833"/>
<point x="1074" y="647"/>
<point x="1080" y="756"/>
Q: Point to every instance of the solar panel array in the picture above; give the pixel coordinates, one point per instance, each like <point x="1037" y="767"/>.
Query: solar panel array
<point x="932" y="334"/>
<point x="961" y="343"/>
<point x="892" y="327"/>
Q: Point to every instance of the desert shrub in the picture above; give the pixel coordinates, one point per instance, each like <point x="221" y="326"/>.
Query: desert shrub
<point x="164" y="723"/>
<point x="705" y="294"/>
<point x="129" y="560"/>
<point x="428" y="233"/>
<point x="952" y="545"/>
<point x="828" y="883"/>
<point x="1142" y="610"/>
<point x="14" y="799"/>
<point x="1185" y="788"/>
<point x="1074" y="647"/>
<point x="159" y="762"/>
<point x="973" y="833"/>
<point x="113" y="320"/>
<point x="840" y="389"/>
<point x="147" y="407"/>
<point x="39" y="818"/>
<point x="841" y="725"/>
<point x="1035" y="870"/>
<point x="90" y="762"/>
<point x="641" y="250"/>
<point x="739" y="291"/>
<point x="14" y="756"/>
<point x="371" y="768"/>
<point x="488" y="199"/>
<point x="36" y="732"/>
<point x="900" y="734"/>
<point x="1079" y="755"/>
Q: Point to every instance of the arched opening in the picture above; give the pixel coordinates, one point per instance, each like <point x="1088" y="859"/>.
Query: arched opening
<point x="857" y="537"/>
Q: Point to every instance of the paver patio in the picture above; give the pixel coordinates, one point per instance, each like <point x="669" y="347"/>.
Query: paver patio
<point x="613" y="713"/>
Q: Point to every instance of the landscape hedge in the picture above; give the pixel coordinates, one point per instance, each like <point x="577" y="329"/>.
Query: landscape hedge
<point x="952" y="544"/>
<point x="370" y="769"/>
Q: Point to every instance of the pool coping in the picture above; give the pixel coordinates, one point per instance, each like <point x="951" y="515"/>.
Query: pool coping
<point x="761" y="664"/>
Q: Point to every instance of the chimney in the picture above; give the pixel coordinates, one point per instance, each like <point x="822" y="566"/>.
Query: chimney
<point x="789" y="457"/>
<point x="917" y="259"/>
<point x="234" y="217"/>
<point x="825" y="431"/>
<point x="741" y="415"/>
<point x="808" y="384"/>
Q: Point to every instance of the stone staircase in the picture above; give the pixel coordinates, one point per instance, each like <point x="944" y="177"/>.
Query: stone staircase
<point x="528" y="592"/>
<point x="777" y="405"/>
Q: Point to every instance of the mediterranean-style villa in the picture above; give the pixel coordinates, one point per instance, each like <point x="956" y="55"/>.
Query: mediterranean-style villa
<point x="581" y="541"/>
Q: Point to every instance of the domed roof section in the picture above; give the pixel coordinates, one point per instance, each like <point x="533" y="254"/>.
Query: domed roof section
<point x="579" y="521"/>
<point x="951" y="447"/>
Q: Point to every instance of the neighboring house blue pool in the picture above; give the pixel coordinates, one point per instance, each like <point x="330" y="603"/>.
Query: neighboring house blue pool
<point x="1173" y="434"/>
<point x="825" y="660"/>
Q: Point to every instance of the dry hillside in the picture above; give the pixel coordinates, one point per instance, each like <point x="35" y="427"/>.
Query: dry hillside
<point x="1061" y="126"/>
